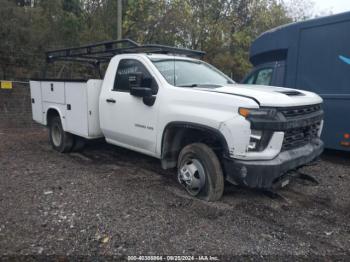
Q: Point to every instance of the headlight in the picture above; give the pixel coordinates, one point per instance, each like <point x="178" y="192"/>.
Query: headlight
<point x="257" y="112"/>
<point x="259" y="139"/>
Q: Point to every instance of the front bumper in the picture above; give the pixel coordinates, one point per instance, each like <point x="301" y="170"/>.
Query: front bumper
<point x="264" y="174"/>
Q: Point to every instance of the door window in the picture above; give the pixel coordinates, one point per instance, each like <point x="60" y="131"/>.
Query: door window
<point x="264" y="76"/>
<point x="261" y="77"/>
<point x="251" y="79"/>
<point x="132" y="67"/>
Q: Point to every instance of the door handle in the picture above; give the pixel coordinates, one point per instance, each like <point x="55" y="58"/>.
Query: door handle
<point x="110" y="100"/>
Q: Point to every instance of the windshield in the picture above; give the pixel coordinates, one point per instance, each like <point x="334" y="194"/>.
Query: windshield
<point x="190" y="73"/>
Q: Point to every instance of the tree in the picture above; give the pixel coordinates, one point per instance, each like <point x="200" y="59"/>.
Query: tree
<point x="300" y="10"/>
<point x="222" y="28"/>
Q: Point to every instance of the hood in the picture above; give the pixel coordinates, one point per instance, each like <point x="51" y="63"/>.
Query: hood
<point x="270" y="95"/>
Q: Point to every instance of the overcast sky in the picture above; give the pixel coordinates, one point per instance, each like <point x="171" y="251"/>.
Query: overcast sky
<point x="334" y="6"/>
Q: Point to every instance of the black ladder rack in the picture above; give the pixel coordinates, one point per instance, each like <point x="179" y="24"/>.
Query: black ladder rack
<point x="102" y="52"/>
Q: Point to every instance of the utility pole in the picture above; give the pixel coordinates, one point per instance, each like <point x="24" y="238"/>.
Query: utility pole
<point x="119" y="19"/>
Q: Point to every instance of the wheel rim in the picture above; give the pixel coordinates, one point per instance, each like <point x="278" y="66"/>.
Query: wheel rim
<point x="56" y="135"/>
<point x="192" y="176"/>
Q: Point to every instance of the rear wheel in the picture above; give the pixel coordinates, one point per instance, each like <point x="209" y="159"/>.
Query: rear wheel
<point x="78" y="144"/>
<point x="199" y="171"/>
<point x="60" y="140"/>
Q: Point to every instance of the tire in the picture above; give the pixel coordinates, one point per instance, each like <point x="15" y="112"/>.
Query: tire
<point x="78" y="144"/>
<point x="200" y="172"/>
<point x="60" y="140"/>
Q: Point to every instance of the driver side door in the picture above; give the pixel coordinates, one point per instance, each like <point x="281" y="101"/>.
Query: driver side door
<point x="128" y="120"/>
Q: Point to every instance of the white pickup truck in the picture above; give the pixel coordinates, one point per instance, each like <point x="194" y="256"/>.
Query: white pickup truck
<point x="189" y="115"/>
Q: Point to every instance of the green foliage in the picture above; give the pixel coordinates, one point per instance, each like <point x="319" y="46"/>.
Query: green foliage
<point x="222" y="28"/>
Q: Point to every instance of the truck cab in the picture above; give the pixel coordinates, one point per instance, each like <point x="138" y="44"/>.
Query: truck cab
<point x="191" y="116"/>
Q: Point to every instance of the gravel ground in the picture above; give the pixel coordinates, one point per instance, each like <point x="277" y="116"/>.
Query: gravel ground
<point x="108" y="201"/>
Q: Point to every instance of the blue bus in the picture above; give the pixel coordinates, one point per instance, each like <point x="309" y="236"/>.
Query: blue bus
<point x="313" y="55"/>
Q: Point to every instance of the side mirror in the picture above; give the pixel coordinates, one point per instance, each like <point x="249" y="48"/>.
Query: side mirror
<point x="141" y="91"/>
<point x="140" y="86"/>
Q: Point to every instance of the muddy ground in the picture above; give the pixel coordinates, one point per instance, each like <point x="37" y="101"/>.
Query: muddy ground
<point x="114" y="202"/>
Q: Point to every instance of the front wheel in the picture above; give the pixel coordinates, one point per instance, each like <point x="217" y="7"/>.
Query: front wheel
<point x="60" y="140"/>
<point x="199" y="171"/>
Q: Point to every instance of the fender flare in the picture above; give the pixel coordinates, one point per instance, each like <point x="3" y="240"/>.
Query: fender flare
<point x="196" y="126"/>
<point x="58" y="110"/>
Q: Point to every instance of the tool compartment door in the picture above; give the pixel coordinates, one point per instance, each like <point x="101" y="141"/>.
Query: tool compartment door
<point x="76" y="108"/>
<point x="53" y="92"/>
<point x="93" y="97"/>
<point x="37" y="105"/>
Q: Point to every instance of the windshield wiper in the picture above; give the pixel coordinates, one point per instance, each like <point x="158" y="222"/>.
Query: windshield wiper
<point x="193" y="85"/>
<point x="201" y="85"/>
